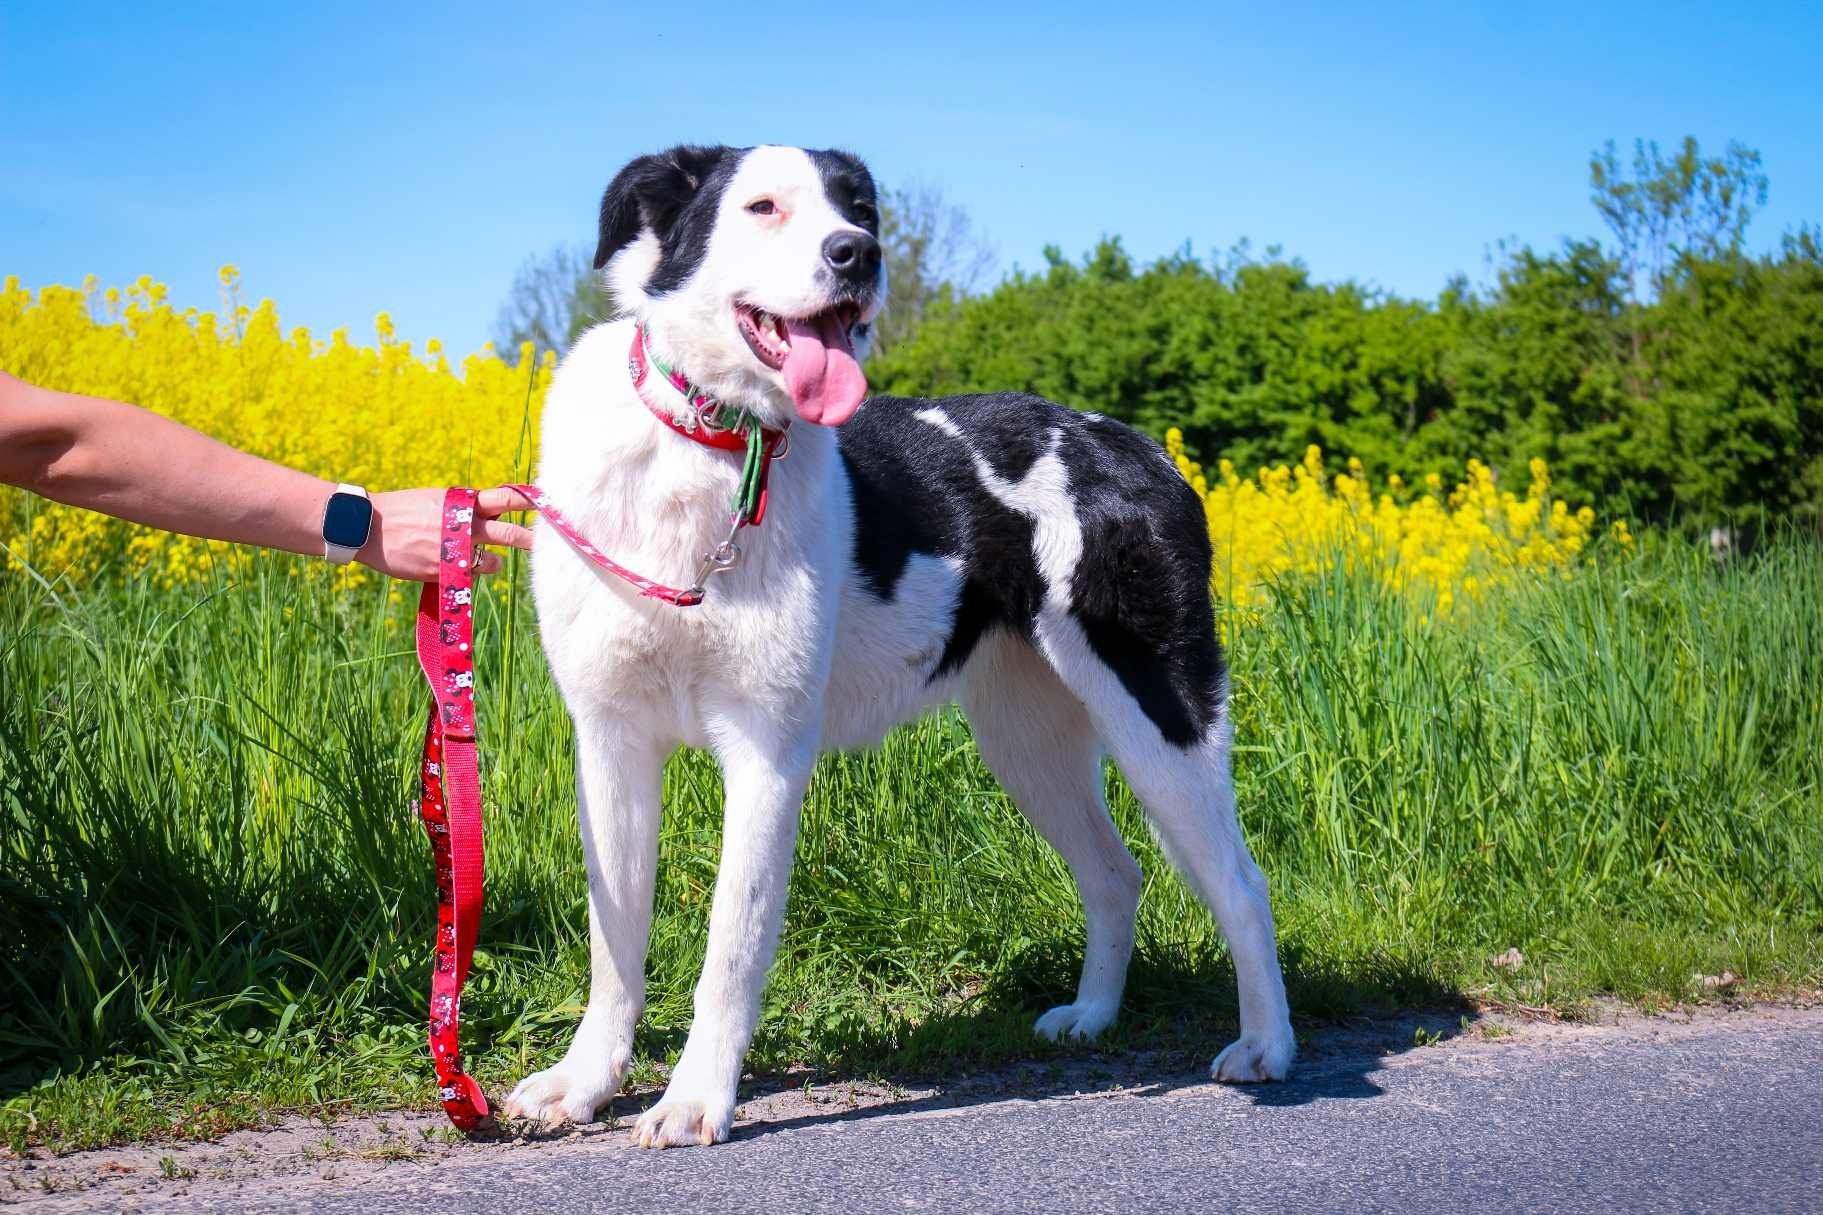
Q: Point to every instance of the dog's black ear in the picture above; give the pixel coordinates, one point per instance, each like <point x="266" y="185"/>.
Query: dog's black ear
<point x="650" y="193"/>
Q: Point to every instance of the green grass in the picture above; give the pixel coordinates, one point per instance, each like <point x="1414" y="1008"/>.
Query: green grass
<point x="215" y="904"/>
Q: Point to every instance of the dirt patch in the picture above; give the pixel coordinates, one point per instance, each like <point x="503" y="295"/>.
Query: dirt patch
<point x="299" y="1154"/>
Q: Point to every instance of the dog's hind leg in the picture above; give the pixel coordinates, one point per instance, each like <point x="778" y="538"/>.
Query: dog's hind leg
<point x="618" y="788"/>
<point x="1187" y="790"/>
<point x="1189" y="796"/>
<point x="766" y="758"/>
<point x="1037" y="739"/>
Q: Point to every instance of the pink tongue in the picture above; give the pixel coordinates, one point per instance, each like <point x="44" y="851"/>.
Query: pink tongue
<point x="825" y="380"/>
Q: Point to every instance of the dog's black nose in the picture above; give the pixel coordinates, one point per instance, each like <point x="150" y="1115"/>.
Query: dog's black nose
<point x="854" y="256"/>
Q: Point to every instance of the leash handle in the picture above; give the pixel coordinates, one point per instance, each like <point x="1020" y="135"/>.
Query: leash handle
<point x="450" y="799"/>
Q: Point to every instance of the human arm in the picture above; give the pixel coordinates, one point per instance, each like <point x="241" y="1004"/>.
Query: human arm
<point x="136" y="465"/>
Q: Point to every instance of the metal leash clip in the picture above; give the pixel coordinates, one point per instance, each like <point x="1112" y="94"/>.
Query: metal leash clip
<point x="718" y="560"/>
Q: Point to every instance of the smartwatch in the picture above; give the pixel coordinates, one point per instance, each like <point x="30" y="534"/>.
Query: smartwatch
<point x="347" y="520"/>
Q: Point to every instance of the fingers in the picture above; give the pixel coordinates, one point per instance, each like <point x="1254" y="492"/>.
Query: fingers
<point x="490" y="503"/>
<point x="509" y="535"/>
<point x="500" y="499"/>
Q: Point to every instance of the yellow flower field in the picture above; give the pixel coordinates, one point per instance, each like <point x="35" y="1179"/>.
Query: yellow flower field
<point x="1453" y="546"/>
<point x="380" y="415"/>
<point x="240" y="377"/>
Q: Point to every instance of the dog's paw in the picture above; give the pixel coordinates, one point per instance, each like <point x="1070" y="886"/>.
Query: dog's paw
<point x="683" y="1123"/>
<point x="1255" y="1058"/>
<point x="569" y="1092"/>
<point x="1075" y="1021"/>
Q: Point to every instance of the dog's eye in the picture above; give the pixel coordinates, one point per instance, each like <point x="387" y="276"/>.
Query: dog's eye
<point x="864" y="211"/>
<point x="762" y="206"/>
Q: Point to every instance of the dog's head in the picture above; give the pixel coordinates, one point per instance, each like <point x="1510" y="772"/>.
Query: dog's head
<point x="757" y="269"/>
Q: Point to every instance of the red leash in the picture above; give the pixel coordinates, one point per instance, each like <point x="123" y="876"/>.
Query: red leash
<point x="450" y="798"/>
<point x="687" y="597"/>
<point x="450" y="793"/>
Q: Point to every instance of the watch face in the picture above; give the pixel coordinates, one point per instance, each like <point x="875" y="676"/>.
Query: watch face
<point x="346" y="521"/>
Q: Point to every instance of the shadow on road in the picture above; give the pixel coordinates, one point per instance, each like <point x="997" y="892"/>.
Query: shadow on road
<point x="1336" y="1063"/>
<point x="1180" y="1008"/>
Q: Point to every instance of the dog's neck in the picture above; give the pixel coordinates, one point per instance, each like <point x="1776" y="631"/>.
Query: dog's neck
<point x="696" y="414"/>
<point x="665" y="389"/>
<point x="672" y="386"/>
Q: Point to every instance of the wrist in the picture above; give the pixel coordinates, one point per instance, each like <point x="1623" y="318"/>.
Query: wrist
<point x="370" y="554"/>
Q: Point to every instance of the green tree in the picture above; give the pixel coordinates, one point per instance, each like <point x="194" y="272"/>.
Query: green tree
<point x="1671" y="208"/>
<point x="1536" y="370"/>
<point x="1735" y="415"/>
<point x="554" y="297"/>
<point x="930" y="247"/>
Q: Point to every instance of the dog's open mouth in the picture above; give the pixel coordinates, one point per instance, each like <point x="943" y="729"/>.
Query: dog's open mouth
<point x="815" y="354"/>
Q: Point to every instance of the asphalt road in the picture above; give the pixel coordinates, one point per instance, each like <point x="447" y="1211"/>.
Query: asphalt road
<point x="1726" y="1116"/>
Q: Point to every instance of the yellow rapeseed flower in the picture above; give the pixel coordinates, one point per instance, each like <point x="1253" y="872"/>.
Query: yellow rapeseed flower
<point x="1453" y="547"/>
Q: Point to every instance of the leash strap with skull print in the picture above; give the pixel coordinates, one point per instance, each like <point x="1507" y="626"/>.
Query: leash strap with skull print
<point x="449" y="799"/>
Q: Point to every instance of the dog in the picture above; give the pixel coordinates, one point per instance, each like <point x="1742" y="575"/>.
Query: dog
<point x="1047" y="568"/>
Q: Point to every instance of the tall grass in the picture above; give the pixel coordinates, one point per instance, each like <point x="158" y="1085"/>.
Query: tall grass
<point x="214" y="901"/>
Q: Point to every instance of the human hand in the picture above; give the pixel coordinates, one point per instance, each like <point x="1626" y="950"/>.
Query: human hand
<point x="407" y="537"/>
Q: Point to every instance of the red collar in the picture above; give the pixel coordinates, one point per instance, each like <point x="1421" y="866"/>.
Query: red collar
<point x="697" y="426"/>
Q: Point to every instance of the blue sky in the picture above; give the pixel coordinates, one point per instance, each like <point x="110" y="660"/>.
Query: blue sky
<point x="351" y="159"/>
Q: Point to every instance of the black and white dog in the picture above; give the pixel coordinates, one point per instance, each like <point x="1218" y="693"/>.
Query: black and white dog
<point x="1047" y="568"/>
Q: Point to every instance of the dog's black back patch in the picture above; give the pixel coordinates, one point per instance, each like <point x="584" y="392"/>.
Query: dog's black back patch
<point x="1140" y="589"/>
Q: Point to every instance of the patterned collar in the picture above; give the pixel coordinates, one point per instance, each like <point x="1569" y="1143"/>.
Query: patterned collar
<point x="707" y="420"/>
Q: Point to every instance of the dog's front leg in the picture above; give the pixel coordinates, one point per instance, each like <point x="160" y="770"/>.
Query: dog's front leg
<point x="618" y="782"/>
<point x="763" y="776"/>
